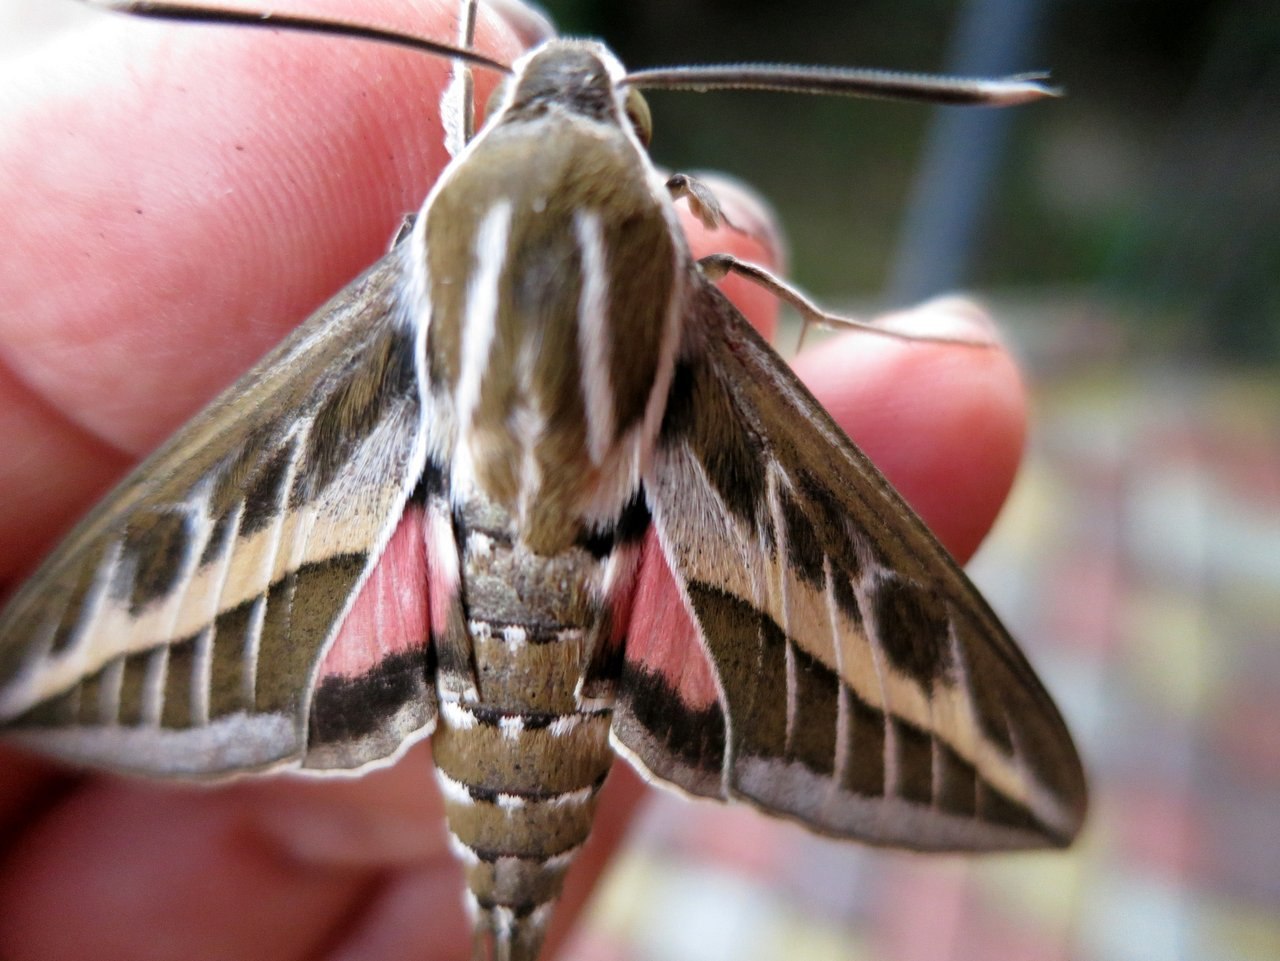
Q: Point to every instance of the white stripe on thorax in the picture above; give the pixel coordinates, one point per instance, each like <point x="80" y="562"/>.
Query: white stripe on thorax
<point x="595" y="335"/>
<point x="480" y="317"/>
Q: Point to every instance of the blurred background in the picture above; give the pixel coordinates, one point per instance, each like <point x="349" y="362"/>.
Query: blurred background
<point x="1128" y="239"/>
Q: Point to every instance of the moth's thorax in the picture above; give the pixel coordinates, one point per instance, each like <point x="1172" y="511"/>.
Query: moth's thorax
<point x="552" y="271"/>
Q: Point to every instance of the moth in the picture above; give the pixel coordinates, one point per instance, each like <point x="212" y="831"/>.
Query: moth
<point x="532" y="487"/>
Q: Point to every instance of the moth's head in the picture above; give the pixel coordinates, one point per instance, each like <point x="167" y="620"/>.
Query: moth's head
<point x="578" y="78"/>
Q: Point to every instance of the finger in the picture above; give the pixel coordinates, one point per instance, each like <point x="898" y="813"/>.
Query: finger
<point x="29" y="787"/>
<point x="176" y="198"/>
<point x="944" y="423"/>
<point x="272" y="869"/>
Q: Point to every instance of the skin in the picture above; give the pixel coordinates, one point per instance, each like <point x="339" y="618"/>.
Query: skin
<point x="158" y="240"/>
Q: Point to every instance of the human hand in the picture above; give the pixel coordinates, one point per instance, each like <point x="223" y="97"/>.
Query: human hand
<point x="177" y="198"/>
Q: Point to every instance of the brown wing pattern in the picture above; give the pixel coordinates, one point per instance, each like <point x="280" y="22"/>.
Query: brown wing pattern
<point x="179" y="629"/>
<point x="862" y="685"/>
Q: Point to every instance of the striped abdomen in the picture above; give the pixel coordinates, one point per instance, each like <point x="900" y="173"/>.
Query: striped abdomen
<point x="520" y="767"/>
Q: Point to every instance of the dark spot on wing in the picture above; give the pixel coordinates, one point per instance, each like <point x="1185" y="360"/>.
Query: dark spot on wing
<point x="434" y="482"/>
<point x="995" y="808"/>
<point x="986" y="675"/>
<point x="598" y="542"/>
<point x="633" y="522"/>
<point x="957" y="782"/>
<point x="377" y="381"/>
<point x="264" y="489"/>
<point x="216" y="542"/>
<point x="347" y="708"/>
<point x="629" y="528"/>
<point x="61" y="710"/>
<point x="701" y="412"/>
<point x="237" y="472"/>
<point x="229" y="683"/>
<point x="804" y="550"/>
<point x="74" y="601"/>
<point x="817" y="696"/>
<point x="846" y="599"/>
<point x="302" y="611"/>
<point x="132" y="688"/>
<point x="179" y="684"/>
<point x="695" y="736"/>
<point x="830" y="523"/>
<point x="914" y="748"/>
<point x="156" y="546"/>
<point x="912" y="628"/>
<point x="864" y="761"/>
<point x="679" y="416"/>
<point x="458" y="522"/>
<point x="749" y="651"/>
<point x="92" y="696"/>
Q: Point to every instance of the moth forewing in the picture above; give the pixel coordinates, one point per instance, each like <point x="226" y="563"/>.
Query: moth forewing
<point x="905" y="715"/>
<point x="262" y="483"/>
<point x="533" y="486"/>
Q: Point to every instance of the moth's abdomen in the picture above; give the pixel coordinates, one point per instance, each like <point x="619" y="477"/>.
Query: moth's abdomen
<point x="521" y="765"/>
<point x="520" y="795"/>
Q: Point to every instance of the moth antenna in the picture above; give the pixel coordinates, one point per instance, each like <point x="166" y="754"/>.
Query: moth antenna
<point x="198" y="13"/>
<point x="457" y="101"/>
<point x="467" y="40"/>
<point x="837" y="81"/>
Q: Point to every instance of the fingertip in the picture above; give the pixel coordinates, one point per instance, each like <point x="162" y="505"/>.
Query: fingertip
<point x="945" y="423"/>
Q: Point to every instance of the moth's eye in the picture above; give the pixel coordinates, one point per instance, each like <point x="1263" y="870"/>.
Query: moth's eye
<point x="495" y="99"/>
<point x="638" y="114"/>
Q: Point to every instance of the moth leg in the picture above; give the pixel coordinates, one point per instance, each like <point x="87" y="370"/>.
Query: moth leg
<point x="702" y="202"/>
<point x="403" y="231"/>
<point x="717" y="266"/>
